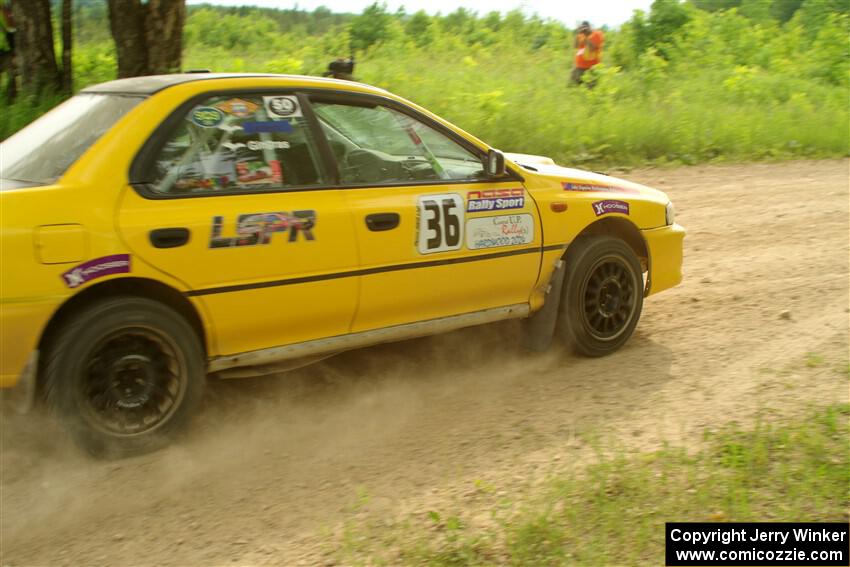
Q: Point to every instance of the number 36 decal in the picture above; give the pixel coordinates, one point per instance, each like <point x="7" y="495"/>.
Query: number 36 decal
<point x="440" y="223"/>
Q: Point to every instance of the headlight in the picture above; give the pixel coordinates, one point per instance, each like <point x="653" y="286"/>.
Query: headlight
<point x="670" y="213"/>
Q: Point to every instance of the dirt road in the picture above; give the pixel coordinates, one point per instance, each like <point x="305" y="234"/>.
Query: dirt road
<point x="272" y="466"/>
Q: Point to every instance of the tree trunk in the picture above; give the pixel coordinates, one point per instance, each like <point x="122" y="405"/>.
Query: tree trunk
<point x="165" y="21"/>
<point x="127" y="22"/>
<point x="148" y="37"/>
<point x="67" y="47"/>
<point x="34" y="46"/>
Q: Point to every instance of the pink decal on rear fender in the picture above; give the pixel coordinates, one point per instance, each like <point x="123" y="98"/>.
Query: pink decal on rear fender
<point x="97" y="268"/>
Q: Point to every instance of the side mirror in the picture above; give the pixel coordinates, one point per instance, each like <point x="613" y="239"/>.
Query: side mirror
<point x="496" y="164"/>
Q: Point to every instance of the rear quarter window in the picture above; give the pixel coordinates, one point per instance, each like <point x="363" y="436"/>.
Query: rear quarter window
<point x="43" y="151"/>
<point x="243" y="143"/>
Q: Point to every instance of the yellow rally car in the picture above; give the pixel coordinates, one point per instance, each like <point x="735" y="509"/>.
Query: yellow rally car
<point x="159" y="229"/>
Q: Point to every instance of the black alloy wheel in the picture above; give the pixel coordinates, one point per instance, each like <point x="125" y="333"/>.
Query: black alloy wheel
<point x="133" y="381"/>
<point x="609" y="293"/>
<point x="602" y="295"/>
<point x="124" y="375"/>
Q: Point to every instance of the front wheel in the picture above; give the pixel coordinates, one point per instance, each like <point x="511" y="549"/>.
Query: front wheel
<point x="602" y="295"/>
<point x="124" y="375"/>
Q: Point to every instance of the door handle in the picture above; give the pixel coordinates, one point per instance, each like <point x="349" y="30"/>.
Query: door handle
<point x="169" y="237"/>
<point x="378" y="222"/>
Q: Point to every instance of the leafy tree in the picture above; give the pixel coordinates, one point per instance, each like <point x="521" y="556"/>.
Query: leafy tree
<point x="458" y="22"/>
<point x="814" y="13"/>
<point x="370" y="27"/>
<point x="783" y="10"/>
<point x="665" y="19"/>
<point x="493" y="21"/>
<point x="418" y="28"/>
<point x="756" y="10"/>
<point x="717" y="5"/>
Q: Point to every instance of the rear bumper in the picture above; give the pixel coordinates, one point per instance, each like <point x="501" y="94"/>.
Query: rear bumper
<point x="665" y="247"/>
<point x="22" y="396"/>
<point x="21" y="325"/>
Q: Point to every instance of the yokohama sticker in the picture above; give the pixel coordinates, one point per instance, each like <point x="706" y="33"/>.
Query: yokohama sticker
<point x="611" y="206"/>
<point x="503" y="230"/>
<point x="97" y="268"/>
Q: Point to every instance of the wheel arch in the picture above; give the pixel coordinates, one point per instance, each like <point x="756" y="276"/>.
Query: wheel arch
<point x="539" y="329"/>
<point x="136" y="287"/>
<point x="623" y="229"/>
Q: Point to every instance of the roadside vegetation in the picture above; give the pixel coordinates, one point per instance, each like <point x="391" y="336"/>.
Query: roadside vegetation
<point x="613" y="512"/>
<point x="681" y="84"/>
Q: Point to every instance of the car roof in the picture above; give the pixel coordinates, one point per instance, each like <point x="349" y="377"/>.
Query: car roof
<point x="154" y="83"/>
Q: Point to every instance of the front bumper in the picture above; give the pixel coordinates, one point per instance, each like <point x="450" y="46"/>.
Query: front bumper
<point x="665" y="246"/>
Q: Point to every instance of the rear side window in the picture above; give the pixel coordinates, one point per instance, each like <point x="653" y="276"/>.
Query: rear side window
<point x="44" y="150"/>
<point x="238" y="143"/>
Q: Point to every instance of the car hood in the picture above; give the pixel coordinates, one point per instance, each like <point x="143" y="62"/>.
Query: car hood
<point x="583" y="181"/>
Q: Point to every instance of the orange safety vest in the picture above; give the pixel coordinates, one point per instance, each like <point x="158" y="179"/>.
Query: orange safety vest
<point x="587" y="56"/>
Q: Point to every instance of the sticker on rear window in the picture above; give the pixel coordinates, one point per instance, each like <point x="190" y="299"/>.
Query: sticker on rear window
<point x="282" y="106"/>
<point x="269" y="126"/>
<point x="207" y="116"/>
<point x="238" y="107"/>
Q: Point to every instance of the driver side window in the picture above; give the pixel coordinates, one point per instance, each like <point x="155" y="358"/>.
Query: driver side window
<point x="378" y="145"/>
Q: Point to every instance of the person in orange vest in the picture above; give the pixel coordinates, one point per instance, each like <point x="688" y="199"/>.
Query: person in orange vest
<point x="588" y="44"/>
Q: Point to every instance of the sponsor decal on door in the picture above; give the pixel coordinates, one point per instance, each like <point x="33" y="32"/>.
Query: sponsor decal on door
<point x="498" y="231"/>
<point x="440" y="223"/>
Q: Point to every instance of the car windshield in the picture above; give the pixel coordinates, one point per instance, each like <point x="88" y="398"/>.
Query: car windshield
<point x="44" y="150"/>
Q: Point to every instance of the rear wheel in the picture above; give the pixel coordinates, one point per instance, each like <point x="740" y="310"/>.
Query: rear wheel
<point x="602" y="295"/>
<point x="124" y="375"/>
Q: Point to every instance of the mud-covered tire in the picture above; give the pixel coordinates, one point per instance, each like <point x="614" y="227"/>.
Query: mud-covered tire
<point x="124" y="375"/>
<point x="602" y="295"/>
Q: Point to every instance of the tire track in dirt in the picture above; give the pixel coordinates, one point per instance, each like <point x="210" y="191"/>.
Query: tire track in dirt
<point x="273" y="464"/>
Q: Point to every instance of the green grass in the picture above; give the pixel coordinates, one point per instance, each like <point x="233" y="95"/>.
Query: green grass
<point x="731" y="90"/>
<point x="613" y="512"/>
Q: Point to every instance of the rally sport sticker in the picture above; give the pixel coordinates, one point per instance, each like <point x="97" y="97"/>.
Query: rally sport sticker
<point x="495" y="200"/>
<point x="97" y="268"/>
<point x="502" y="230"/>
